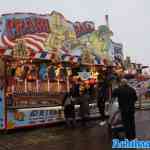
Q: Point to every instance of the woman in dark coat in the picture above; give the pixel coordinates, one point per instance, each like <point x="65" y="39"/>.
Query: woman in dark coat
<point x="84" y="105"/>
<point x="69" y="109"/>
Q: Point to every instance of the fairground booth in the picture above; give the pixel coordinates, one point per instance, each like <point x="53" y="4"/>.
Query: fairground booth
<point x="40" y="57"/>
<point x="138" y="77"/>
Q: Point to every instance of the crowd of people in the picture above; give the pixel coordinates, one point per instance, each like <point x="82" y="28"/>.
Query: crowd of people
<point x="105" y="92"/>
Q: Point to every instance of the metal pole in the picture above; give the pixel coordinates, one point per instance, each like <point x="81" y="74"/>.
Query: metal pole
<point x="140" y="101"/>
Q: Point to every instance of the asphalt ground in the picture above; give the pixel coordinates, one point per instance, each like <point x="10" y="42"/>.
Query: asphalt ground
<point x="89" y="137"/>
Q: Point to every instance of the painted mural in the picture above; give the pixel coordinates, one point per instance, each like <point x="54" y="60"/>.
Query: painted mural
<point x="28" y="33"/>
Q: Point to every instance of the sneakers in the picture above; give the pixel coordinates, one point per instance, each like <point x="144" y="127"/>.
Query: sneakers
<point x="102" y="123"/>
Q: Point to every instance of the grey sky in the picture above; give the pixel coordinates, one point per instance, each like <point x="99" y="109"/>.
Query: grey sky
<point x="129" y="19"/>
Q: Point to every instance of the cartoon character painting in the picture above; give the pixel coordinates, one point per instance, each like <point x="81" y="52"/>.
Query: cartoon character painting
<point x="31" y="73"/>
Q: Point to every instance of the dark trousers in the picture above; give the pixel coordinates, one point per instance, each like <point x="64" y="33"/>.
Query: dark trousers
<point x="71" y="122"/>
<point x="84" y="121"/>
<point x="101" y="107"/>
<point x="69" y="112"/>
<point x="128" y="120"/>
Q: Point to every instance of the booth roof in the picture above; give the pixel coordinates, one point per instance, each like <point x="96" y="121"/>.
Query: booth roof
<point x="63" y="57"/>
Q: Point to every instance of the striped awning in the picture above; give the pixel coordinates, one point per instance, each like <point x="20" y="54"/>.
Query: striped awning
<point x="64" y="57"/>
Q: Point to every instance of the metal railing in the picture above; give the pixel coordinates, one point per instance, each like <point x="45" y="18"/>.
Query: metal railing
<point x="143" y="103"/>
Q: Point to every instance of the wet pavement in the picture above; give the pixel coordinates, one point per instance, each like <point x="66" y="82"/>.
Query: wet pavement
<point x="90" y="137"/>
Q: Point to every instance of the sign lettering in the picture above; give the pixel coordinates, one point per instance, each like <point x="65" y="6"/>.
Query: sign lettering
<point x="18" y="27"/>
<point x="43" y="114"/>
<point x="83" y="28"/>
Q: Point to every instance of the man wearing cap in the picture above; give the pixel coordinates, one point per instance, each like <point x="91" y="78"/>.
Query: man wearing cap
<point x="126" y="98"/>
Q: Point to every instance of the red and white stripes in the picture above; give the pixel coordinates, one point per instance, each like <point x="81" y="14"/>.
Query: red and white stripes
<point x="32" y="41"/>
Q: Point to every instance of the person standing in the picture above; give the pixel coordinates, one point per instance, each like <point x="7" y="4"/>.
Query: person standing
<point x="76" y="87"/>
<point x="84" y="110"/>
<point x="69" y="110"/>
<point x="126" y="98"/>
<point x="102" y="96"/>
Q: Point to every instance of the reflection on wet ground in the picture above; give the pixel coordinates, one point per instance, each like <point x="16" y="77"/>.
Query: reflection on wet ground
<point x="90" y="137"/>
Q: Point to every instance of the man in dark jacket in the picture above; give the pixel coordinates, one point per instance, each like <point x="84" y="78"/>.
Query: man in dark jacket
<point x="103" y="96"/>
<point x="76" y="88"/>
<point x="126" y="98"/>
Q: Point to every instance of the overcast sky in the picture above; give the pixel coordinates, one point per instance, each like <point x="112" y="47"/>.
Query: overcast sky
<point x="129" y="19"/>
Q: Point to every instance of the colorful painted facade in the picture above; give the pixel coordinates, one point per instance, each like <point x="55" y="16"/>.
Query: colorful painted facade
<point x="31" y="35"/>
